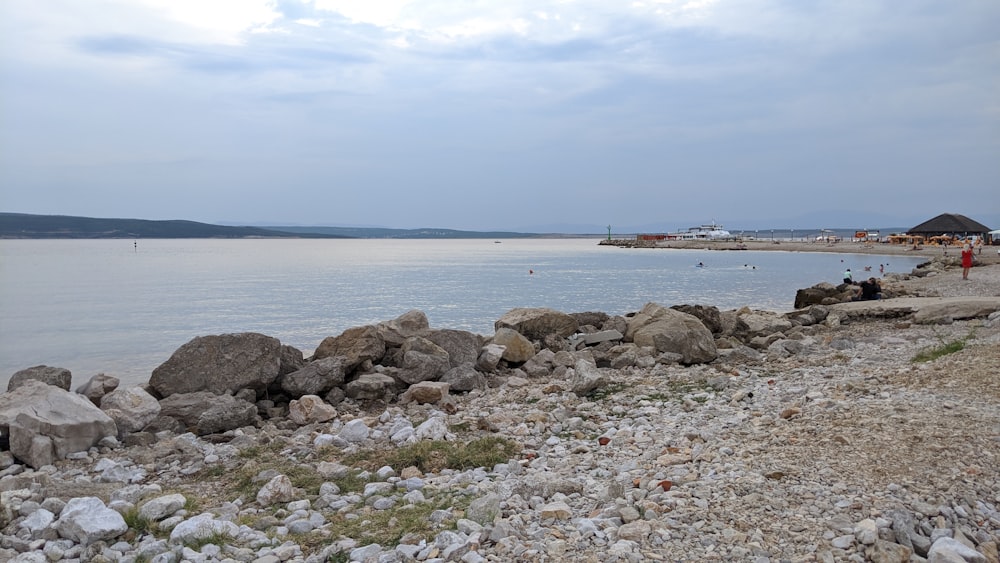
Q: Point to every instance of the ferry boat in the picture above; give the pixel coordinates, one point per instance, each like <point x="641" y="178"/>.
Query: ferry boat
<point x="711" y="231"/>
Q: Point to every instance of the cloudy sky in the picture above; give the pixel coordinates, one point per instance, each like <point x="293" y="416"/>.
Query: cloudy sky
<point x="505" y="114"/>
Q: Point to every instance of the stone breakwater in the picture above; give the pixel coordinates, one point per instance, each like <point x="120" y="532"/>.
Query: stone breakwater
<point x="811" y="436"/>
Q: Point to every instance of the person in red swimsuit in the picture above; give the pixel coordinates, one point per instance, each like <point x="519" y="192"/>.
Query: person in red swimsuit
<point x="966" y="261"/>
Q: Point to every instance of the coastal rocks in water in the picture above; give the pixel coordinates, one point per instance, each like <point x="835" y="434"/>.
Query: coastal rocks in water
<point x="207" y="413"/>
<point x="59" y="377"/>
<point x="823" y="294"/>
<point x="46" y="423"/>
<point x="708" y="315"/>
<point x="535" y="323"/>
<point x="396" y="331"/>
<point x="357" y="345"/>
<point x="98" y="386"/>
<point x="131" y="409"/>
<point x="316" y="377"/>
<point x="220" y="364"/>
<point x="668" y="330"/>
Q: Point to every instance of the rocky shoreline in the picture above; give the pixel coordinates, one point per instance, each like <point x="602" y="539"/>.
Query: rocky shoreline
<point x="812" y="436"/>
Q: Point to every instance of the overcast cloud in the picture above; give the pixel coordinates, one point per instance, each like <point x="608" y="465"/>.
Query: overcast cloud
<point x="502" y="114"/>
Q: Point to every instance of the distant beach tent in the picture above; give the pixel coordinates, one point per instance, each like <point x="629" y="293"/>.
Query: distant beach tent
<point x="951" y="225"/>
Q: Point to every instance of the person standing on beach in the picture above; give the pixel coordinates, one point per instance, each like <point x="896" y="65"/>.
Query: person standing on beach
<point x="848" y="277"/>
<point x="966" y="261"/>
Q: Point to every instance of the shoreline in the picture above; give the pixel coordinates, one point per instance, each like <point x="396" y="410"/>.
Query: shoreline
<point x="989" y="255"/>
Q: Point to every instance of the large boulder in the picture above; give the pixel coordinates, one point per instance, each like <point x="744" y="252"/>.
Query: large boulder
<point x="410" y="323"/>
<point x="310" y="409"/>
<point x="371" y="387"/>
<point x="59" y="377"/>
<point x="750" y="324"/>
<point x="464" y="378"/>
<point x="86" y="520"/>
<point x="517" y="348"/>
<point x="823" y="294"/>
<point x="462" y="346"/>
<point x="222" y="364"/>
<point x="204" y="412"/>
<point x="316" y="378"/>
<point x="707" y="314"/>
<point x="668" y="330"/>
<point x="535" y="323"/>
<point x="45" y="423"/>
<point x="423" y="360"/>
<point x="131" y="409"/>
<point x="357" y="345"/>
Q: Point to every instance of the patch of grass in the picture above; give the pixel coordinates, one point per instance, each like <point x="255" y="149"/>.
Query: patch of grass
<point x="602" y="393"/>
<point x="943" y="349"/>
<point x="435" y="455"/>
<point x="387" y="527"/>
<point x="217" y="538"/>
<point x="677" y="390"/>
<point x="136" y="522"/>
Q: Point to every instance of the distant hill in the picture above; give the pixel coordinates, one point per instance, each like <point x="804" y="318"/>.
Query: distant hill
<point x="21" y="225"/>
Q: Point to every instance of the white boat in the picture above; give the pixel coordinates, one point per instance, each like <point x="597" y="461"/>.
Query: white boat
<point x="712" y="231"/>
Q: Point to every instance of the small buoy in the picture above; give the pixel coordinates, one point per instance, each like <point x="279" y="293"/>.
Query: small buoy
<point x="530" y="272"/>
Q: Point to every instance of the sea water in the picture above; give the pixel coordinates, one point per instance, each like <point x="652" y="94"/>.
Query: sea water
<point x="122" y="307"/>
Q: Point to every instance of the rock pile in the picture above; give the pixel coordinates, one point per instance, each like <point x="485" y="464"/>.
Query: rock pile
<point x="682" y="433"/>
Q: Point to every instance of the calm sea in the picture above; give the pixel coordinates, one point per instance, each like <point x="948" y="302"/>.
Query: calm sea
<point x="116" y="307"/>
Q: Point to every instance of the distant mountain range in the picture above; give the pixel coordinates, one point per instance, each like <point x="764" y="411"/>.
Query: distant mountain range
<point x="22" y="226"/>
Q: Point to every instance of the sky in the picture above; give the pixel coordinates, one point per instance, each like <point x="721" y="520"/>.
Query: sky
<point x="556" y="115"/>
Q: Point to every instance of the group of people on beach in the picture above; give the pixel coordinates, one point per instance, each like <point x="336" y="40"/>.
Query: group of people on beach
<point x="868" y="290"/>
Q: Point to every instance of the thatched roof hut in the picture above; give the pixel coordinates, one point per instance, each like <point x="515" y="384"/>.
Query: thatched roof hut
<point x="951" y="224"/>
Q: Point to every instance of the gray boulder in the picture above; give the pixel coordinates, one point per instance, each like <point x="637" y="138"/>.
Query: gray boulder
<point x="750" y="324"/>
<point x="132" y="409"/>
<point x="316" y="377"/>
<point x="587" y="377"/>
<point x="98" y="386"/>
<point x="86" y="520"/>
<point x="422" y="360"/>
<point x="517" y="348"/>
<point x="310" y="409"/>
<point x="462" y="346"/>
<point x="410" y="323"/>
<point x="535" y="323"/>
<point x="371" y="387"/>
<point x="708" y="315"/>
<point x="358" y="345"/>
<point x="464" y="378"/>
<point x="291" y="360"/>
<point x="45" y="423"/>
<point x="59" y="377"/>
<point x="205" y="412"/>
<point x="490" y="356"/>
<point x="668" y="330"/>
<point x="222" y="364"/>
